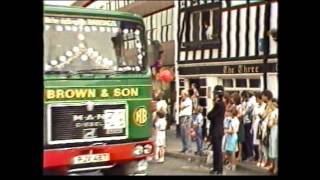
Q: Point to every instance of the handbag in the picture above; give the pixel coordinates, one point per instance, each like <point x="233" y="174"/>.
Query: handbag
<point x="265" y="139"/>
<point x="259" y="132"/>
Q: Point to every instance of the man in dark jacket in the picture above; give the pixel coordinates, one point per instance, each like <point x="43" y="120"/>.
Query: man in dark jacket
<point x="216" y="117"/>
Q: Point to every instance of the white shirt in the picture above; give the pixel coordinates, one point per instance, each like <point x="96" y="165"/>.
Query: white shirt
<point x="258" y="109"/>
<point x="161" y="124"/>
<point x="235" y="123"/>
<point x="161" y="104"/>
<point x="198" y="120"/>
<point x="246" y="107"/>
<point x="187" y="111"/>
<point x="209" y="32"/>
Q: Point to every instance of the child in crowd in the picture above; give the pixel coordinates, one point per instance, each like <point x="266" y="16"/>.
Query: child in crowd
<point x="197" y="127"/>
<point x="232" y="139"/>
<point x="160" y="126"/>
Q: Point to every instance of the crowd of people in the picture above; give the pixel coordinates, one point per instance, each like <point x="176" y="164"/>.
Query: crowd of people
<point x="250" y="129"/>
<point x="240" y="127"/>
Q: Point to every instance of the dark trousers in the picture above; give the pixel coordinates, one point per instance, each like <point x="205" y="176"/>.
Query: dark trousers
<point x="178" y="130"/>
<point x="248" y="144"/>
<point x="256" y="152"/>
<point x="217" y="153"/>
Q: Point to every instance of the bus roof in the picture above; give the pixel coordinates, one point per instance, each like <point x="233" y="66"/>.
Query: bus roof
<point x="51" y="9"/>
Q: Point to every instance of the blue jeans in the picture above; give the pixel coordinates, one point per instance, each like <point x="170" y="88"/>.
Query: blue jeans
<point x="199" y="139"/>
<point x="185" y="125"/>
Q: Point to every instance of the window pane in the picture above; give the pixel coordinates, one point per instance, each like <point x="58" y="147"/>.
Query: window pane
<point x="163" y="18"/>
<point x="121" y="4"/>
<point x="254" y="83"/>
<point x="170" y="16"/>
<point x="196" y="27"/>
<point x="206" y="26"/>
<point x="227" y="82"/>
<point x="241" y="82"/>
<point x="253" y="1"/>
<point x="237" y="3"/>
<point x="170" y="33"/>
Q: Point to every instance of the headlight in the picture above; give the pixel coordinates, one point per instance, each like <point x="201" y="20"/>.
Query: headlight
<point x="138" y="150"/>
<point x="147" y="149"/>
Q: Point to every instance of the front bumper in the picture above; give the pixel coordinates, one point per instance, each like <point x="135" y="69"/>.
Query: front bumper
<point x="119" y="154"/>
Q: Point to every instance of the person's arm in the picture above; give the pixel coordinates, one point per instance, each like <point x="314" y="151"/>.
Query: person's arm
<point x="240" y="113"/>
<point x="273" y="120"/>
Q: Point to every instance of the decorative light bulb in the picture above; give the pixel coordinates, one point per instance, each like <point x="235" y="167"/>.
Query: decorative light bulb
<point x="84" y="57"/>
<point x="75" y="49"/>
<point x="125" y="31"/>
<point x="74" y="28"/>
<point x="47" y="27"/>
<point x="102" y="29"/>
<point x="115" y="29"/>
<point x="99" y="58"/>
<point x="137" y="32"/>
<point x="138" y="45"/>
<point x="81" y="37"/>
<point x="59" y="28"/>
<point x="68" y="28"/>
<point x="47" y="67"/>
<point x="53" y="62"/>
<point x="81" y="45"/>
<point x="95" y="54"/>
<point x="87" y="29"/>
<point x="62" y="59"/>
<point x="69" y="53"/>
<point x="90" y="50"/>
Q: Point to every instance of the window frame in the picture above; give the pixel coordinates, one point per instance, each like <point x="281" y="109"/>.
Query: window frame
<point x="214" y="21"/>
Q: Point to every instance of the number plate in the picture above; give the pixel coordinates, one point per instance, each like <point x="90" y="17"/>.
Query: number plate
<point x="91" y="158"/>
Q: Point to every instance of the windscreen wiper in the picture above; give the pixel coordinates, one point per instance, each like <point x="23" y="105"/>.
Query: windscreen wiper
<point x="95" y="71"/>
<point x="59" y="72"/>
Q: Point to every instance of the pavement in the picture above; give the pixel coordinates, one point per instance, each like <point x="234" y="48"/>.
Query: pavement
<point x="174" y="146"/>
